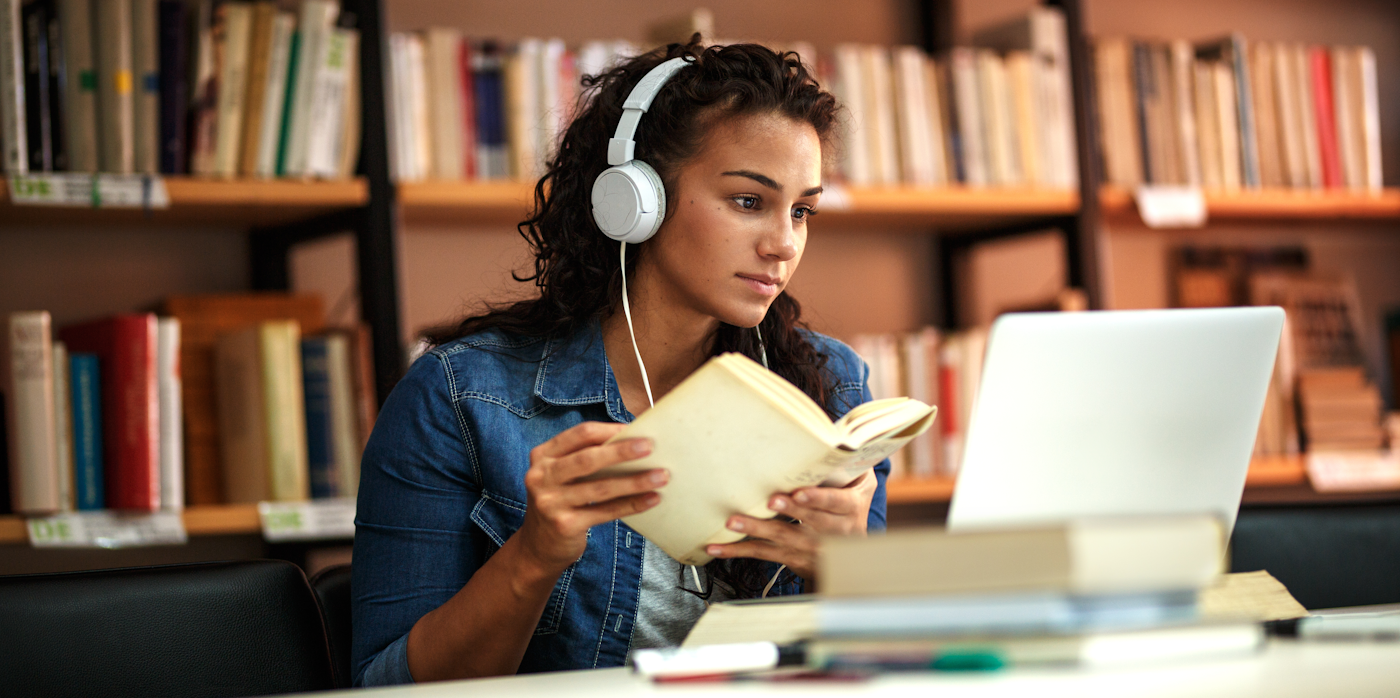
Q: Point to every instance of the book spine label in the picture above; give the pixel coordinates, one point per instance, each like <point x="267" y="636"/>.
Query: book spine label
<point x="33" y="462"/>
<point x="87" y="431"/>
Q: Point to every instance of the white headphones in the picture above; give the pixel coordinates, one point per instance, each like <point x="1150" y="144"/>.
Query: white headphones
<point x="628" y="198"/>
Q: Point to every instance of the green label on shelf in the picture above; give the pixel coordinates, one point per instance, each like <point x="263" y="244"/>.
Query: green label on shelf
<point x="106" y="529"/>
<point x="89" y="190"/>
<point x="316" y="519"/>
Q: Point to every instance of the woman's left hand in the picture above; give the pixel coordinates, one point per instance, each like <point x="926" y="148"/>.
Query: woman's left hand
<point x="818" y="510"/>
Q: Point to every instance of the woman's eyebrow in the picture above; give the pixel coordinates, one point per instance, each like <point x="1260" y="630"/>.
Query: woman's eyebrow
<point x="768" y="181"/>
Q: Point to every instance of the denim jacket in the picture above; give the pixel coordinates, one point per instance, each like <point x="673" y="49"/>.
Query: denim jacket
<point x="442" y="486"/>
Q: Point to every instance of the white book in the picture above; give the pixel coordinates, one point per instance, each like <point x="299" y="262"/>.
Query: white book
<point x="883" y="134"/>
<point x="1290" y="120"/>
<point x="967" y="97"/>
<point x="1227" y="112"/>
<point x="63" y="428"/>
<point x="29" y="394"/>
<point x="344" y="430"/>
<point x="275" y="94"/>
<point x="1030" y="130"/>
<point x="1183" y="86"/>
<point x="315" y="24"/>
<point x="233" y="86"/>
<point x="911" y="102"/>
<point x="169" y="384"/>
<point x="1302" y="76"/>
<point x="400" y="128"/>
<point x="1002" y="148"/>
<point x="443" y="47"/>
<point x="1371" y="118"/>
<point x="918" y="351"/>
<point x="323" y="146"/>
<point x="522" y="108"/>
<point x="1349" y="147"/>
<point x="13" y="125"/>
<point x="352" y="124"/>
<point x="1208" y="127"/>
<point x="145" y="66"/>
<point x="421" y="127"/>
<point x="849" y="88"/>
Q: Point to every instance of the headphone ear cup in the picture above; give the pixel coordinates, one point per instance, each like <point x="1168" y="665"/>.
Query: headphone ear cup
<point x="629" y="202"/>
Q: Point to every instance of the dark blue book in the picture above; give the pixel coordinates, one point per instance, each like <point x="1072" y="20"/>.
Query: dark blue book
<point x="173" y="50"/>
<point x="320" y="440"/>
<point x="491" y="148"/>
<point x="58" y="75"/>
<point x="36" y="86"/>
<point x="1145" y="83"/>
<point x="86" y="385"/>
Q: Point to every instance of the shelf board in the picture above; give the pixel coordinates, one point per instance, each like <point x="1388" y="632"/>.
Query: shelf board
<point x="460" y="203"/>
<point x="215" y="520"/>
<point x="203" y="201"/>
<point x="1277" y="204"/>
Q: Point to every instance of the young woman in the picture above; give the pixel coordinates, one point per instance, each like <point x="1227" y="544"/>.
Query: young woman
<point x="478" y="550"/>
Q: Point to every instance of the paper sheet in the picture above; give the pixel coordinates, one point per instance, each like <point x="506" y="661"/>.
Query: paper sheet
<point x="1249" y="596"/>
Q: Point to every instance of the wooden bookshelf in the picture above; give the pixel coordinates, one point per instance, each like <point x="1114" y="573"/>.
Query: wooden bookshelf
<point x="457" y="203"/>
<point x="201" y="201"/>
<point x="216" y="520"/>
<point x="1277" y="204"/>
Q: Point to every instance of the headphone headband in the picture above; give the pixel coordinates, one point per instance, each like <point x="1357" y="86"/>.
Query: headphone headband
<point x="621" y="147"/>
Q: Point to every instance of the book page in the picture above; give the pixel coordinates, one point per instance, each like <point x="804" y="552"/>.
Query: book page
<point x="782" y="621"/>
<point x="1248" y="596"/>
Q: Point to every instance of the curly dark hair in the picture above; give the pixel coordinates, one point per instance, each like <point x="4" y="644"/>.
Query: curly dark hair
<point x="573" y="258"/>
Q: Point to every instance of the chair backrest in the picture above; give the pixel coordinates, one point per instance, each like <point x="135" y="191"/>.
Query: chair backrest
<point x="210" y="629"/>
<point x="332" y="587"/>
<point x="1327" y="556"/>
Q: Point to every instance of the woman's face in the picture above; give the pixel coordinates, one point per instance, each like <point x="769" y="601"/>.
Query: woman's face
<point x="737" y="223"/>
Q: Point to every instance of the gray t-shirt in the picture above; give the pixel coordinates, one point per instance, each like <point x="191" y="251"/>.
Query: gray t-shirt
<point x="667" y="612"/>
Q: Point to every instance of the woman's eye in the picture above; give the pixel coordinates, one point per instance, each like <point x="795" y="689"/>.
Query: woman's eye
<point x="802" y="213"/>
<point x="747" y="202"/>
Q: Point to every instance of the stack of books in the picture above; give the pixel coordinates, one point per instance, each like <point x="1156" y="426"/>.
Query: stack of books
<point x="1340" y="409"/>
<point x="1227" y="115"/>
<point x="1083" y="593"/>
<point x="995" y="115"/>
<point x="223" y="89"/>
<point x="216" y="402"/>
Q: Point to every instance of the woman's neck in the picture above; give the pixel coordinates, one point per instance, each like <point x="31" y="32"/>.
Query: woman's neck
<point x="673" y="344"/>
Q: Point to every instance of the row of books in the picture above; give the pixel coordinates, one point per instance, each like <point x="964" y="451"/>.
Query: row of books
<point x="1232" y="114"/>
<point x="214" y="403"/>
<point x="208" y="88"/>
<point x="935" y="368"/>
<point x="999" y="115"/>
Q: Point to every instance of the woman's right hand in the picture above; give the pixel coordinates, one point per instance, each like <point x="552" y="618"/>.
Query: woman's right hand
<point x="561" y="508"/>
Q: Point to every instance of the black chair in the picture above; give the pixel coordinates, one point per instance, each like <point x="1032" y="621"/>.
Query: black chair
<point x="210" y="629"/>
<point x="332" y="587"/>
<point x="1327" y="556"/>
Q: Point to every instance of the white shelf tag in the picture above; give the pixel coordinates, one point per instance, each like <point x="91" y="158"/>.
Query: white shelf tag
<point x="316" y="519"/>
<point x="1164" y="206"/>
<point x="89" y="190"/>
<point x="1354" y="471"/>
<point x="107" y="529"/>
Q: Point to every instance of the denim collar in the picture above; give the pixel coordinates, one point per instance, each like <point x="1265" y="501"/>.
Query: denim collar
<point x="574" y="370"/>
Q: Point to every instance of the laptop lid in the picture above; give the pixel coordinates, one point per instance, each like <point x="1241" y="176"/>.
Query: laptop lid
<point x="1115" y="413"/>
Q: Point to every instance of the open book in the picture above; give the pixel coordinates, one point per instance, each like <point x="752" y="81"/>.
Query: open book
<point x="734" y="433"/>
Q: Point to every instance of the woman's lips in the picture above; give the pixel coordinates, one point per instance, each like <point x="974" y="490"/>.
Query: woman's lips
<point x="767" y="286"/>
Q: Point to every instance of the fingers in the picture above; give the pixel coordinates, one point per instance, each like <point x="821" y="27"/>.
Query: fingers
<point x="591" y="459"/>
<point x="780" y="533"/>
<point x="617" y="508"/>
<point x="606" y="489"/>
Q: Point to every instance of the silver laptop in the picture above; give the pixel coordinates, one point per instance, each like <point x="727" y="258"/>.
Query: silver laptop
<point x="1115" y="413"/>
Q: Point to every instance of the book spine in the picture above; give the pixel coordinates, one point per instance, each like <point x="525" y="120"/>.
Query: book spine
<point x="971" y="138"/>
<point x="256" y="88"/>
<point x="169" y="384"/>
<point x="490" y="115"/>
<point x="79" y="86"/>
<point x="114" y="86"/>
<point x="275" y="95"/>
<point x="87" y="431"/>
<point x="14" y="137"/>
<point x="63" y="427"/>
<point x="317" y="21"/>
<point x="351" y="108"/>
<point x="284" y="410"/>
<point x="328" y="105"/>
<point x="344" y="429"/>
<point x="57" y="99"/>
<point x="467" y="110"/>
<point x="233" y="86"/>
<point x="443" y="49"/>
<point x="1248" y="133"/>
<point x="241" y="422"/>
<point x="1371" y="118"/>
<point x="1143" y="91"/>
<point x="284" y="131"/>
<point x="145" y="66"/>
<point x="34" y="477"/>
<point x="36" y="86"/>
<point x="174" y="93"/>
<point x="1320" y="64"/>
<point x="320" y="437"/>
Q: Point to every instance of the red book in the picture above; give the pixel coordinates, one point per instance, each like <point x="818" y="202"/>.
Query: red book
<point x="464" y="69"/>
<point x="1320" y="62"/>
<point x="125" y="346"/>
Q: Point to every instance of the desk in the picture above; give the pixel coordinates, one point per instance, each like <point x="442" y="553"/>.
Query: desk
<point x="1286" y="668"/>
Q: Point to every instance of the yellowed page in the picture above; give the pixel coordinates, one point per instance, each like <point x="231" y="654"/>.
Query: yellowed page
<point x="1249" y="596"/>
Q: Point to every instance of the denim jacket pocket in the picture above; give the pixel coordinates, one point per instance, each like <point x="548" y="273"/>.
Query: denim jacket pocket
<point x="499" y="518"/>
